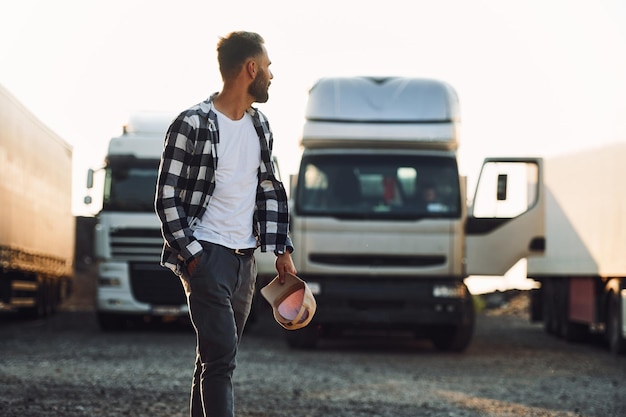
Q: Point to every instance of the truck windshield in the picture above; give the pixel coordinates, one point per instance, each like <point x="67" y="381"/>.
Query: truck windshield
<point x="130" y="186"/>
<point x="382" y="186"/>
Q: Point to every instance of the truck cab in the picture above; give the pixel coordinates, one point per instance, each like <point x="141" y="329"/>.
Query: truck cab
<point x="128" y="242"/>
<point x="379" y="216"/>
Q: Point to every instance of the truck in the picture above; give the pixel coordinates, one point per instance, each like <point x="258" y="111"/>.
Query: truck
<point x="131" y="284"/>
<point x="582" y="275"/>
<point x="36" y="222"/>
<point x="381" y="229"/>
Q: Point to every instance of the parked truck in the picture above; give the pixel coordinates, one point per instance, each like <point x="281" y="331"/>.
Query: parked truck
<point x="379" y="219"/>
<point x="36" y="221"/>
<point x="131" y="283"/>
<point x="582" y="274"/>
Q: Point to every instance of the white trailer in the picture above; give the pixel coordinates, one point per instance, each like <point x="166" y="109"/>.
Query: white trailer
<point x="379" y="221"/>
<point x="583" y="270"/>
<point x="37" y="228"/>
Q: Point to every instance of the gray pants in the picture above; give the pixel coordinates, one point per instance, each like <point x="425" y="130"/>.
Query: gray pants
<point x="219" y="294"/>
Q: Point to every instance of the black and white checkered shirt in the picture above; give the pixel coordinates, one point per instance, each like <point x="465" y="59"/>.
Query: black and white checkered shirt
<point x="187" y="180"/>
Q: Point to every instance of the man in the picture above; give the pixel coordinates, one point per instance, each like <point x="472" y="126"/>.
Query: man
<point x="218" y="200"/>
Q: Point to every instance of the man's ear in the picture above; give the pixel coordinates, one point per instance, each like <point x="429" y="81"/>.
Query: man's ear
<point x="251" y="68"/>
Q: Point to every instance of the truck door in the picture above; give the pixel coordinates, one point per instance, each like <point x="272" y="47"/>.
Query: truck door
<point x="506" y="220"/>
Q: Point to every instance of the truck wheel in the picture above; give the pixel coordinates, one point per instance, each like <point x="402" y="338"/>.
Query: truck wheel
<point x="536" y="306"/>
<point x="617" y="343"/>
<point x="452" y="339"/>
<point x="50" y="297"/>
<point x="574" y="332"/>
<point x="305" y="338"/>
<point x="556" y="308"/>
<point x="40" y="309"/>
<point x="111" y="322"/>
<point x="455" y="338"/>
<point x="549" y="323"/>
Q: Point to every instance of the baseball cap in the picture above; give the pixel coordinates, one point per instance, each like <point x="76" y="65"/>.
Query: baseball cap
<point x="292" y="302"/>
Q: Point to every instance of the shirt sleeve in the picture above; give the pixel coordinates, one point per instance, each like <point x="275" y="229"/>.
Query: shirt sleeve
<point x="171" y="191"/>
<point x="273" y="217"/>
<point x="272" y="212"/>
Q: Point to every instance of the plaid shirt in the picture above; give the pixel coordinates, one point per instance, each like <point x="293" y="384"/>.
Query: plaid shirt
<point x="187" y="180"/>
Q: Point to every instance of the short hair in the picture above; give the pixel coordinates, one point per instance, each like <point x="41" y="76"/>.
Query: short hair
<point x="234" y="49"/>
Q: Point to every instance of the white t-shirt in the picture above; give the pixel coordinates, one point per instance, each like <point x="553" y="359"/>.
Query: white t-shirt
<point x="228" y="218"/>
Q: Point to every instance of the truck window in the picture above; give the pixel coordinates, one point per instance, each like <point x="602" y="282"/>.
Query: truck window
<point x="379" y="186"/>
<point x="519" y="180"/>
<point x="130" y="187"/>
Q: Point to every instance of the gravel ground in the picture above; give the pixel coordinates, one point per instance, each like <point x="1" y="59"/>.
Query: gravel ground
<point x="66" y="367"/>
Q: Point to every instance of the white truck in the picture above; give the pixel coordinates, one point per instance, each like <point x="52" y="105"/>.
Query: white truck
<point x="128" y="242"/>
<point x="37" y="227"/>
<point x="379" y="218"/>
<point x="582" y="274"/>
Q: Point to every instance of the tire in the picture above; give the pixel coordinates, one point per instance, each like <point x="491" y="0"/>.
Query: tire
<point x="536" y="305"/>
<point x="305" y="338"/>
<point x="111" y="322"/>
<point x="617" y="343"/>
<point x="549" y="316"/>
<point x="456" y="338"/>
<point x="574" y="332"/>
<point x="50" y="297"/>
<point x="549" y="324"/>
<point x="452" y="339"/>
<point x="41" y="296"/>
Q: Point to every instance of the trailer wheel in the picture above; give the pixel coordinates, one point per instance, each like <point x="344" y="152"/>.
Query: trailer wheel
<point x="549" y="323"/>
<point x="41" y="298"/>
<point x="50" y="305"/>
<point x="617" y="343"/>
<point x="549" y="300"/>
<point x="574" y="332"/>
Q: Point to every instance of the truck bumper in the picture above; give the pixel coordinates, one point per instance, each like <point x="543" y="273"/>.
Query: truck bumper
<point x="390" y="302"/>
<point x="112" y="301"/>
<point x="139" y="289"/>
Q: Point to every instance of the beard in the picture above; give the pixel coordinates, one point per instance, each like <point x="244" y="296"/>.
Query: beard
<point x="258" y="88"/>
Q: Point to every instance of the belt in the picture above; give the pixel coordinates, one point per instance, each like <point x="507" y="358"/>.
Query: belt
<point x="238" y="252"/>
<point x="244" y="252"/>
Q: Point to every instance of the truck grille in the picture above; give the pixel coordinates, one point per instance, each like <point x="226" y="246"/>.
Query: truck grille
<point x="153" y="284"/>
<point x="142" y="245"/>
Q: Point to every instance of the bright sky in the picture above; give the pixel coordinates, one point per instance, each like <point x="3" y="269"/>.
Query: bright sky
<point x="534" y="77"/>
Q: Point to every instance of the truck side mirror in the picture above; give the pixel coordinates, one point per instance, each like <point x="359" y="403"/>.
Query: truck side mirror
<point x="501" y="189"/>
<point x="293" y="182"/>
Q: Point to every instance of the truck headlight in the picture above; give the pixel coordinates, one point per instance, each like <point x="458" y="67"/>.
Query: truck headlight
<point x="109" y="282"/>
<point x="315" y="287"/>
<point x="449" y="291"/>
